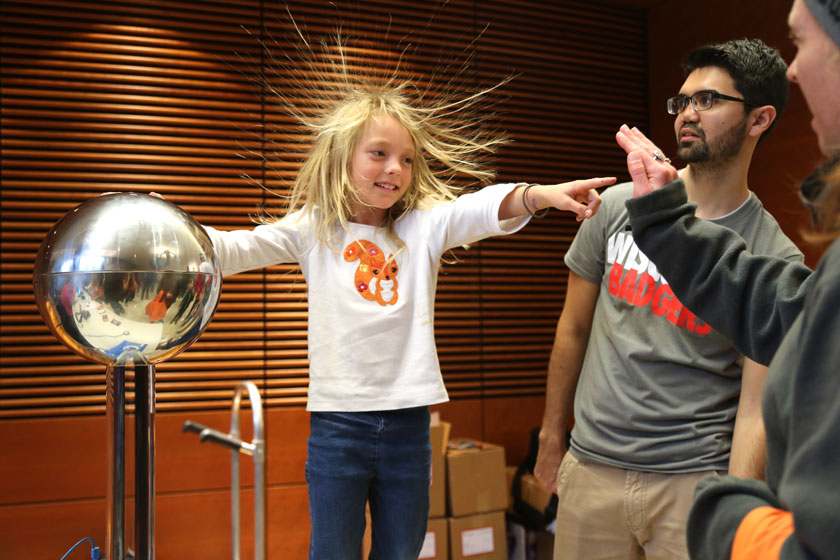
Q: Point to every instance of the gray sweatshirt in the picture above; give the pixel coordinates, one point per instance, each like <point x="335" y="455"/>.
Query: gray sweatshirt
<point x="779" y="313"/>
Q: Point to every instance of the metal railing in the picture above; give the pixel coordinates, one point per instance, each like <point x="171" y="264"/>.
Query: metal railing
<point x="256" y="449"/>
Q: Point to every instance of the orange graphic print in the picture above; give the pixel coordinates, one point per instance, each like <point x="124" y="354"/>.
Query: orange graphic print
<point x="376" y="276"/>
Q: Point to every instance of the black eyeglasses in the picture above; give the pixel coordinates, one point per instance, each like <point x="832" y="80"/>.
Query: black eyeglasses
<point x="700" y="101"/>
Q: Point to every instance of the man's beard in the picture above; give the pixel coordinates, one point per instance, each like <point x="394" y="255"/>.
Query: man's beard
<point x="702" y="154"/>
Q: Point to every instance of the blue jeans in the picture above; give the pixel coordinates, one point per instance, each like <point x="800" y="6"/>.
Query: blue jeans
<point x="354" y="457"/>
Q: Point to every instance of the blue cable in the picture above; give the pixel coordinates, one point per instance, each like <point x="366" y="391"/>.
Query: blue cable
<point x="94" y="550"/>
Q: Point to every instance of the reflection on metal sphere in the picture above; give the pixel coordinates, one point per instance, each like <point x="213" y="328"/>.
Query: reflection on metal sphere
<point x="127" y="273"/>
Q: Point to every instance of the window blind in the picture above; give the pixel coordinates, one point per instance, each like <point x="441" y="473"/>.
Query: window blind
<point x="166" y="96"/>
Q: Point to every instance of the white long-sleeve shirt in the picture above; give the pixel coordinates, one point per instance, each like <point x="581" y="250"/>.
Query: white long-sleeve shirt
<point x="371" y="322"/>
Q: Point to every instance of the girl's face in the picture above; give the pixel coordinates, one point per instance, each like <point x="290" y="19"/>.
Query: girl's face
<point x="380" y="168"/>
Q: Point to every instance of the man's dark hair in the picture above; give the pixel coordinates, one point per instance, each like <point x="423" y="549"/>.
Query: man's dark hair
<point x="757" y="71"/>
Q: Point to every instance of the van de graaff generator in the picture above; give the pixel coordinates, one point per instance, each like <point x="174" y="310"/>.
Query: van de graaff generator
<point x="127" y="280"/>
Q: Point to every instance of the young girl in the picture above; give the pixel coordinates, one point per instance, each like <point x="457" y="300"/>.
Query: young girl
<point x="369" y="239"/>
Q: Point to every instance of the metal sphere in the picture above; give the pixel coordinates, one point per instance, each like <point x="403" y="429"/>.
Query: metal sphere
<point x="127" y="275"/>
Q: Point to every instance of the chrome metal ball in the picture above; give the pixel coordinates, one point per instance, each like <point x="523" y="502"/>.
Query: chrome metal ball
<point x="127" y="273"/>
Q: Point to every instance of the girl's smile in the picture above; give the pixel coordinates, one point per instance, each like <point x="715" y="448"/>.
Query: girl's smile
<point x="380" y="168"/>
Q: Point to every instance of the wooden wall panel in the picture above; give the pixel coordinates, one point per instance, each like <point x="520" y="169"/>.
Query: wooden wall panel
<point x="790" y="152"/>
<point x="198" y="525"/>
<point x="187" y="525"/>
<point x="64" y="459"/>
<point x="53" y="474"/>
<point x="54" y="471"/>
<point x="528" y="412"/>
<point x="44" y="459"/>
<point x="48" y="530"/>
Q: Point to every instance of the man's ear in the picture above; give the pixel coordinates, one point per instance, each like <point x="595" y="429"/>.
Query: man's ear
<point x="760" y="119"/>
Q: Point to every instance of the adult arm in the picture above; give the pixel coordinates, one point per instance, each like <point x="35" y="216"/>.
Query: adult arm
<point x="750" y="299"/>
<point x="721" y="503"/>
<point x="748" y="440"/>
<point x="567" y="355"/>
<point x="799" y="518"/>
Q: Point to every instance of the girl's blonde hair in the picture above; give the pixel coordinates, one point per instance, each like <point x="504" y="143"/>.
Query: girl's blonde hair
<point x="448" y="123"/>
<point x="820" y="192"/>
<point x="825" y="206"/>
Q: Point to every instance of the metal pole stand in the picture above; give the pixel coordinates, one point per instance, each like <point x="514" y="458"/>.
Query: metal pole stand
<point x="144" y="458"/>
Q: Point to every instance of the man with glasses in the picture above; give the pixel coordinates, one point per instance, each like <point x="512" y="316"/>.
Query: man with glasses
<point x="660" y="399"/>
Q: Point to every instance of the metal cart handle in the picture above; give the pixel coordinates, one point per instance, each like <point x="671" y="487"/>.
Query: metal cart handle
<point x="256" y="449"/>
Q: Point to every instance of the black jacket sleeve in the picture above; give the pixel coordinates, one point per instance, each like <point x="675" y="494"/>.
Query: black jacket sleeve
<point x="801" y="408"/>
<point x="721" y="503"/>
<point x="750" y="299"/>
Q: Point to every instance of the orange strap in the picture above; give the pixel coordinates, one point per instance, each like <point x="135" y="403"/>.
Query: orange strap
<point x="762" y="534"/>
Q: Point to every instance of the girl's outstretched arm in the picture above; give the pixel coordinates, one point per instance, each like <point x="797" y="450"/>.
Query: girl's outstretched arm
<point x="578" y="197"/>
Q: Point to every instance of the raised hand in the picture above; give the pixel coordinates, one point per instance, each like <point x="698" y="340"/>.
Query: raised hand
<point x="649" y="169"/>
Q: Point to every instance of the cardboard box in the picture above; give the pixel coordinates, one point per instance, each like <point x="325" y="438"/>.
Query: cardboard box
<point x="531" y="491"/>
<point x="534" y="493"/>
<point x="478" y="537"/>
<point x="436" y="545"/>
<point x="475" y="474"/>
<point x="437" y="490"/>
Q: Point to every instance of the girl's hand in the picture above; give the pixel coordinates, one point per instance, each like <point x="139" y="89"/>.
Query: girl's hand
<point x="578" y="197"/>
<point x="648" y="168"/>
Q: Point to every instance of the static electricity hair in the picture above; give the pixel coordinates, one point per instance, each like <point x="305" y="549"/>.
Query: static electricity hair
<point x="448" y="121"/>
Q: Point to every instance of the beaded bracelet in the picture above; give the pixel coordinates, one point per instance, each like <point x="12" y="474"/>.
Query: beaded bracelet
<point x="525" y="202"/>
